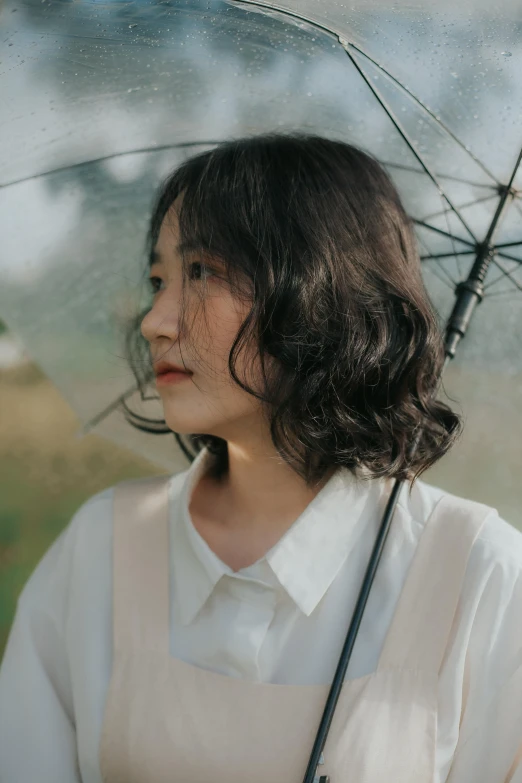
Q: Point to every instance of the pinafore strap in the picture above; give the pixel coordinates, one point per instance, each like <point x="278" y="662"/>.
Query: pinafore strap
<point x="141" y="565"/>
<point x="425" y="612"/>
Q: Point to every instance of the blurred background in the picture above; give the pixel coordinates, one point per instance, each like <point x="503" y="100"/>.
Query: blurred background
<point x="100" y="100"/>
<point x="46" y="473"/>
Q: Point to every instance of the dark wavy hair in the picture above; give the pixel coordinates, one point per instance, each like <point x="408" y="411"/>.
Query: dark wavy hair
<point x="317" y="230"/>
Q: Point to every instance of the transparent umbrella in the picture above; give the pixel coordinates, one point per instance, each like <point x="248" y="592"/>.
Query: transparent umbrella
<point x="100" y="101"/>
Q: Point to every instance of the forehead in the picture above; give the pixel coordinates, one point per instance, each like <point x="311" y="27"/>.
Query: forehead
<point x="168" y="247"/>
<point x="168" y="234"/>
<point x="168" y="244"/>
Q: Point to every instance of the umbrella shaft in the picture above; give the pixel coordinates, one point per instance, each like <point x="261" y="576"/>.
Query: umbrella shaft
<point x="469" y="295"/>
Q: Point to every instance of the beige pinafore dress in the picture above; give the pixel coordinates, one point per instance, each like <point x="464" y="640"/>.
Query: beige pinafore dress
<point x="168" y="721"/>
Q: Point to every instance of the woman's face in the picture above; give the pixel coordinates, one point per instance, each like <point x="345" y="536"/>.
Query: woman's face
<point x="208" y="401"/>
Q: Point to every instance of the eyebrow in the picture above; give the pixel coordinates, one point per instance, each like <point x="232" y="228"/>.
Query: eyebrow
<point x="183" y="247"/>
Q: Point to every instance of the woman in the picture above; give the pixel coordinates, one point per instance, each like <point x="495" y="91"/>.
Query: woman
<point x="188" y="627"/>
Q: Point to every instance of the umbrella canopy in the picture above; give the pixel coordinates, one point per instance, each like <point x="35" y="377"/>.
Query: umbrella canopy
<point x="102" y="100"/>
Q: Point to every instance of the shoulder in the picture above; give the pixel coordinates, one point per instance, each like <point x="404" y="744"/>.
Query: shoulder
<point x="52" y="575"/>
<point x="490" y="604"/>
<point x="488" y="627"/>
<point x="499" y="541"/>
<point x="82" y="549"/>
<point x="489" y="610"/>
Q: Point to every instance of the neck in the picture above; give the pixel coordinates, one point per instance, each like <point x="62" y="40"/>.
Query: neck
<point x="259" y="491"/>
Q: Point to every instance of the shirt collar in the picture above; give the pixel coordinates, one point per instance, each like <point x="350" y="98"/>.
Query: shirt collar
<point x="305" y="560"/>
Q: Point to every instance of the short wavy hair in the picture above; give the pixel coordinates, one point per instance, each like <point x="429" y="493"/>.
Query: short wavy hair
<point x="318" y="230"/>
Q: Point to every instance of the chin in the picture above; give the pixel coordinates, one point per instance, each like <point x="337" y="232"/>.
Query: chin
<point x="186" y="424"/>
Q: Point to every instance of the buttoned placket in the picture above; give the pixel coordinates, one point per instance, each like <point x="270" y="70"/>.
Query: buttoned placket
<point x="255" y="604"/>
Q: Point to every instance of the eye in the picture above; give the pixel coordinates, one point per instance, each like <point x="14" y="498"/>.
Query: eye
<point x="195" y="273"/>
<point x="152" y="283"/>
<point x="200" y="265"/>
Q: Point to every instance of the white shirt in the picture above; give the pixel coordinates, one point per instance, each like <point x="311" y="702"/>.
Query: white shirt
<point x="283" y="620"/>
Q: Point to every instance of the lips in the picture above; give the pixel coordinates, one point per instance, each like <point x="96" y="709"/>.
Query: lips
<point x="165" y="367"/>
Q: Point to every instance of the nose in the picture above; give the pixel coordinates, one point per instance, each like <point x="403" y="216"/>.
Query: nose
<point x="162" y="320"/>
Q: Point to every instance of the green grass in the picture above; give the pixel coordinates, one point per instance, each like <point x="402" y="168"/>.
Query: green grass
<point x="45" y="476"/>
<point x="30" y="519"/>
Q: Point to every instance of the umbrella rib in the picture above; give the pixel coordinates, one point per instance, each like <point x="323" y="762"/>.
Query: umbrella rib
<point x="439" y="265"/>
<point x="405" y="137"/>
<point x="403" y="167"/>
<point x="510" y="244"/>
<point x="140" y="151"/>
<point x="109" y="409"/>
<point x="448" y="255"/>
<point x="510" y="257"/>
<point x="507" y="273"/>
<point x="457" y="258"/>
<point x="462" y="206"/>
<point x="507" y="192"/>
<point x="502" y="274"/>
<point x="444" y="233"/>
<point x="445" y="271"/>
<point x="427" y="110"/>
<point x="439" y="277"/>
<point x="344" y="43"/>
<point x="501" y="293"/>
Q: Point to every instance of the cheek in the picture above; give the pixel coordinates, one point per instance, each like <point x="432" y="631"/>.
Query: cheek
<point x="223" y="324"/>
